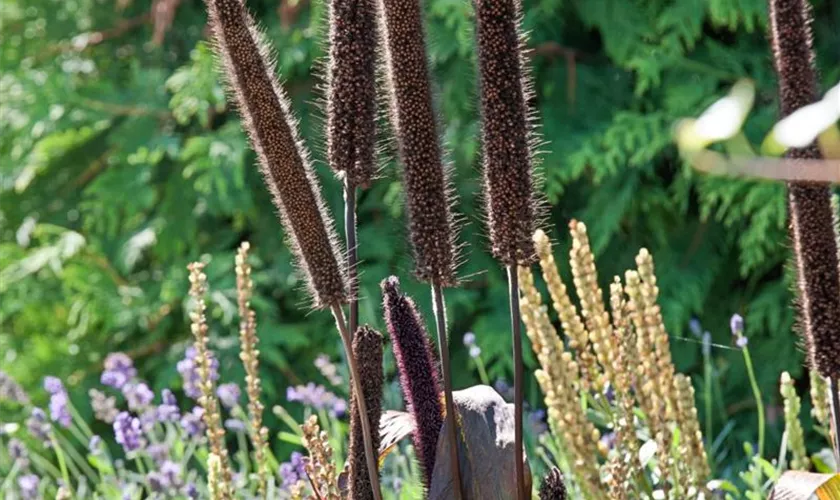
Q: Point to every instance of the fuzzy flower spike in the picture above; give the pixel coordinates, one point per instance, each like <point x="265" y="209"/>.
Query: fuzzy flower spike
<point x="427" y="188"/>
<point x="287" y="171"/>
<point x="283" y="159"/>
<point x="508" y="184"/>
<point x="811" y="230"/>
<point x="418" y="376"/>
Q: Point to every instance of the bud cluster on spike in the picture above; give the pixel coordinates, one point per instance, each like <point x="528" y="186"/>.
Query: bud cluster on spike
<point x="508" y="186"/>
<point x="283" y="159"/>
<point x="351" y="89"/>
<point x="418" y="375"/>
<point x="811" y="230"/>
<point x="553" y="487"/>
<point x="427" y="189"/>
<point x="367" y="348"/>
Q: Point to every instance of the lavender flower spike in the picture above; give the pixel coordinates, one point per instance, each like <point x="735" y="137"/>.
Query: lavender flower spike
<point x="418" y="375"/>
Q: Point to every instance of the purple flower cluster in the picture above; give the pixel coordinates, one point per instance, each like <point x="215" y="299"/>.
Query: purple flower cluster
<point x="469" y="343"/>
<point x="736" y="324"/>
<point x="104" y="407"/>
<point x="59" y="411"/>
<point x="18" y="453"/>
<point x="138" y="395"/>
<point x="317" y="397"/>
<point x="128" y="432"/>
<point x="119" y="370"/>
<point x="188" y="368"/>
<point x="328" y="369"/>
<point x="192" y="422"/>
<point x="10" y="390"/>
<point x="293" y="471"/>
<point x="38" y="425"/>
<point x="28" y="484"/>
<point x="168" y="410"/>
<point x="228" y="395"/>
<point x="166" y="479"/>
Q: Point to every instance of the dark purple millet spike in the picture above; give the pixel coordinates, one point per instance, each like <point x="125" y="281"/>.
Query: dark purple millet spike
<point x="811" y="230"/>
<point x="351" y="90"/>
<point x="283" y="160"/>
<point x="427" y="188"/>
<point x="367" y="348"/>
<point x="418" y="375"/>
<point x="505" y="129"/>
<point x="553" y="487"/>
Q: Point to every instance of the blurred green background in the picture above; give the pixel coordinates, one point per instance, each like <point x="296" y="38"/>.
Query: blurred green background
<point x="122" y="160"/>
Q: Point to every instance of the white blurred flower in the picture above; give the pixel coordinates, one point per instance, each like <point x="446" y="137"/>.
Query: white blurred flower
<point x="802" y="127"/>
<point x="720" y="121"/>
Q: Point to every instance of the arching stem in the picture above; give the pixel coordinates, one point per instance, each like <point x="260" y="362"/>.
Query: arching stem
<point x="518" y="378"/>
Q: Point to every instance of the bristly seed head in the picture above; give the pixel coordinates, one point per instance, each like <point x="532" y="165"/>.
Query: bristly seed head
<point x="351" y="89"/>
<point x="418" y="376"/>
<point x="811" y="229"/>
<point x="553" y="487"/>
<point x="508" y="185"/>
<point x="428" y="194"/>
<point x="367" y="348"/>
<point x="283" y="159"/>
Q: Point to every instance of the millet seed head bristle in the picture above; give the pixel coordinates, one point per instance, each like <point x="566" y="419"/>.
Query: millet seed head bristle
<point x="426" y="180"/>
<point x="811" y="230"/>
<point x="553" y="487"/>
<point x="283" y="159"/>
<point x="418" y="373"/>
<point x="351" y="89"/>
<point x="505" y="130"/>
<point x="367" y="348"/>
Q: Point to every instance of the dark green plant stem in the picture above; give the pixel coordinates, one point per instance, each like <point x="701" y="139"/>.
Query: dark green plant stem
<point x="451" y="420"/>
<point x="352" y="254"/>
<point x="518" y="376"/>
<point x="834" y="390"/>
<point x="370" y="453"/>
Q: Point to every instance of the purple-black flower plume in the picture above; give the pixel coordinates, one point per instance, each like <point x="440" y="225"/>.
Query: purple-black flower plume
<point x="367" y="348"/>
<point x="418" y="375"/>
<point x="811" y="225"/>
<point x="283" y="159"/>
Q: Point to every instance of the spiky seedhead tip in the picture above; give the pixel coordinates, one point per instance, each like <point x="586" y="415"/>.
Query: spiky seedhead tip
<point x="508" y="184"/>
<point x="811" y="229"/>
<point x="793" y="53"/>
<point x="283" y="159"/>
<point x="553" y="487"/>
<point x="367" y="348"/>
<point x="351" y="89"/>
<point x="418" y="375"/>
<point x="427" y="188"/>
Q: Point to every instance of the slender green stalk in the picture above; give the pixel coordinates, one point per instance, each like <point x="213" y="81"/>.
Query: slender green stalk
<point x="707" y="394"/>
<point x="482" y="371"/>
<point x="758" y="402"/>
<point x="59" y="455"/>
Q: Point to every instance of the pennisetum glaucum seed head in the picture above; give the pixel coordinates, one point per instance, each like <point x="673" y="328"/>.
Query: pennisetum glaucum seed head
<point x="351" y="89"/>
<point x="505" y="132"/>
<point x="367" y="348"/>
<point x="811" y="229"/>
<point x="283" y="158"/>
<point x="427" y="190"/>
<point x="418" y="375"/>
<point x="553" y="487"/>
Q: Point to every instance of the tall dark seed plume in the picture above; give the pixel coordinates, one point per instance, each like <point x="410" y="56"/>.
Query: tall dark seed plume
<point x="553" y="487"/>
<point x="351" y="89"/>
<point x="367" y="348"/>
<point x="426" y="181"/>
<point x="811" y="229"/>
<point x="508" y="185"/>
<point x="283" y="159"/>
<point x="418" y="376"/>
